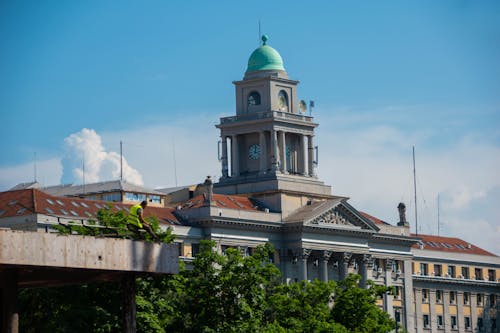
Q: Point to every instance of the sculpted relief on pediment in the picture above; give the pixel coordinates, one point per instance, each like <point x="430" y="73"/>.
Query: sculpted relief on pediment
<point x="332" y="217"/>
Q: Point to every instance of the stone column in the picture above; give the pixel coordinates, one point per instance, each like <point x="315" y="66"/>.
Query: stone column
<point x="446" y="311"/>
<point x="344" y="264"/>
<point x="304" y="255"/>
<point x="409" y="308"/>
<point x="263" y="152"/>
<point x="473" y="310"/>
<point x="283" y="159"/>
<point x="310" y="148"/>
<point x="388" y="282"/>
<point x="10" y="308"/>
<point x="275" y="158"/>
<point x="224" y="157"/>
<point x="418" y="311"/>
<point x="432" y="310"/>
<point x="460" y="310"/>
<point x="304" y="168"/>
<point x="325" y="256"/>
<point x="235" y="159"/>
<point x="486" y="315"/>
<point x="366" y="269"/>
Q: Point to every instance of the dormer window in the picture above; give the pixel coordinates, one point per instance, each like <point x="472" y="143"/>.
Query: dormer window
<point x="253" y="98"/>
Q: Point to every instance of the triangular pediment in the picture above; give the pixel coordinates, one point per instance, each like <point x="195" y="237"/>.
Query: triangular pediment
<point x="333" y="213"/>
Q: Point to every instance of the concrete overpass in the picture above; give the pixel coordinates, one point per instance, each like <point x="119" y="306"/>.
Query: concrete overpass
<point x="36" y="259"/>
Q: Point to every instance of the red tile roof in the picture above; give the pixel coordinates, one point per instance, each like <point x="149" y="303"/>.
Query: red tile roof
<point x="374" y="219"/>
<point x="29" y="201"/>
<point x="449" y="244"/>
<point x="223" y="201"/>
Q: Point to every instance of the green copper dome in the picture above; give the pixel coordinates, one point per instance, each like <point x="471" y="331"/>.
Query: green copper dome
<point x="265" y="58"/>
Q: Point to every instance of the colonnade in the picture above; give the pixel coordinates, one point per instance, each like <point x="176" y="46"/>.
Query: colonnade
<point x="274" y="156"/>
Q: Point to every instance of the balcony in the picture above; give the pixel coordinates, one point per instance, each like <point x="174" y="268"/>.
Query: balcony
<point x="279" y="115"/>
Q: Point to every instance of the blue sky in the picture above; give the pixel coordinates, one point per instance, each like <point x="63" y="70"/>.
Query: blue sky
<point x="385" y="76"/>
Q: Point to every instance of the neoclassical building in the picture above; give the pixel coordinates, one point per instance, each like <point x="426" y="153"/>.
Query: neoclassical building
<point x="268" y="191"/>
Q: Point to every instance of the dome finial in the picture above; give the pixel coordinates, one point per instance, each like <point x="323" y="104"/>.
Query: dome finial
<point x="264" y="39"/>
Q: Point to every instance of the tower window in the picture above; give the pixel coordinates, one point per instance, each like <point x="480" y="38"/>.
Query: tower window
<point x="283" y="101"/>
<point x="253" y="98"/>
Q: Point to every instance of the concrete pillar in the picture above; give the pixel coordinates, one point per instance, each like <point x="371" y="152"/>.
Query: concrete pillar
<point x="235" y="159"/>
<point x="283" y="159"/>
<point x="10" y="307"/>
<point x="310" y="148"/>
<point x="446" y="311"/>
<point x="432" y="310"/>
<point x="486" y="315"/>
<point x="418" y="310"/>
<point x="388" y="282"/>
<point x="304" y="257"/>
<point x="263" y="152"/>
<point x="275" y="158"/>
<point x="128" y="303"/>
<point x="224" y="157"/>
<point x="460" y="310"/>
<point x="409" y="307"/>
<point x="344" y="264"/>
<point x="366" y="269"/>
<point x="325" y="256"/>
<point x="473" y="310"/>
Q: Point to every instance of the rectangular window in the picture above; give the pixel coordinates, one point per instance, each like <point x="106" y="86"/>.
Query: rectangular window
<point x="480" y="323"/>
<point x="423" y="269"/>
<point x="440" y="321"/>
<point x="154" y="199"/>
<point x="453" y="297"/>
<point x="491" y="275"/>
<point x="438" y="270"/>
<point x="492" y="300"/>
<point x="479" y="299"/>
<point x="129" y="196"/>
<point x="113" y="197"/>
<point x="478" y="272"/>
<point x="465" y="272"/>
<point x="467" y="323"/>
<point x="466" y="298"/>
<point x="451" y="271"/>
<point x="426" y="321"/>
<point x="439" y="296"/>
<point x="397" y="292"/>
<point x="454" y="322"/>
<point x="425" y="295"/>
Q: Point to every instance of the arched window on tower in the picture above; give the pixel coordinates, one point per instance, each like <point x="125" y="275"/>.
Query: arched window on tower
<point x="283" y="101"/>
<point x="253" y="99"/>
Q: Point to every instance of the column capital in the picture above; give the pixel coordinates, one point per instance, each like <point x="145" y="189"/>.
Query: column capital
<point x="325" y="255"/>
<point x="388" y="263"/>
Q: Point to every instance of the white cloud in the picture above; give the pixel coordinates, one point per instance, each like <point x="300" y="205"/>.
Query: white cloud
<point x="86" y="156"/>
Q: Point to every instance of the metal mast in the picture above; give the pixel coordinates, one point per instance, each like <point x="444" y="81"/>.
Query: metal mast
<point x="415" y="191"/>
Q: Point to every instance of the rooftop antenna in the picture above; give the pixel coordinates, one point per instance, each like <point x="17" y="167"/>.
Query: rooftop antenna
<point x="175" y="161"/>
<point x="121" y="160"/>
<point x="34" y="166"/>
<point x="415" y="191"/>
<point x="259" y="35"/>
<point x="83" y="173"/>
<point x="438" y="213"/>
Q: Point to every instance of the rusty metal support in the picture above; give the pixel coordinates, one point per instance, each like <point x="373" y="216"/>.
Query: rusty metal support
<point x="128" y="303"/>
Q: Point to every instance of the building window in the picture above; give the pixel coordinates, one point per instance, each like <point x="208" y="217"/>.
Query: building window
<point x="438" y="270"/>
<point x="195" y="249"/>
<point x="479" y="299"/>
<point x="466" y="298"/>
<point x="114" y="197"/>
<point x="253" y="98"/>
<point x="478" y="272"/>
<point x="451" y="271"/>
<point x="440" y="321"/>
<point x="439" y="296"/>
<point x="465" y="272"/>
<point x="154" y="199"/>
<point x="425" y="295"/>
<point x="480" y="323"/>
<point x="454" y="322"/>
<point x="453" y="297"/>
<point x="492" y="300"/>
<point x="397" y="292"/>
<point x="129" y="196"/>
<point x="491" y="275"/>
<point x="467" y="323"/>
<point x="426" y="321"/>
<point x="423" y="269"/>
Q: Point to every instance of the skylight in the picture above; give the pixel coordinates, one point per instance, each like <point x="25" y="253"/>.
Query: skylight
<point x="50" y="201"/>
<point x="75" y="204"/>
<point x="20" y="211"/>
<point x="12" y="203"/>
<point x="60" y="202"/>
<point x="98" y="206"/>
<point x="2" y="212"/>
<point x="64" y="212"/>
<point x="49" y="210"/>
<point x="84" y="204"/>
<point x="88" y="214"/>
<point x="74" y="213"/>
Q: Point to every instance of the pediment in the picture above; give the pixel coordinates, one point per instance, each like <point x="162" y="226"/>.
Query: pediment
<point x="333" y="213"/>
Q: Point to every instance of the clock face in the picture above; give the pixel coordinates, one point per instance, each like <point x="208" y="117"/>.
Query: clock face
<point x="254" y="152"/>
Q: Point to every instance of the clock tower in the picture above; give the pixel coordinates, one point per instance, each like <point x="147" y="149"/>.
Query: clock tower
<point x="267" y="148"/>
